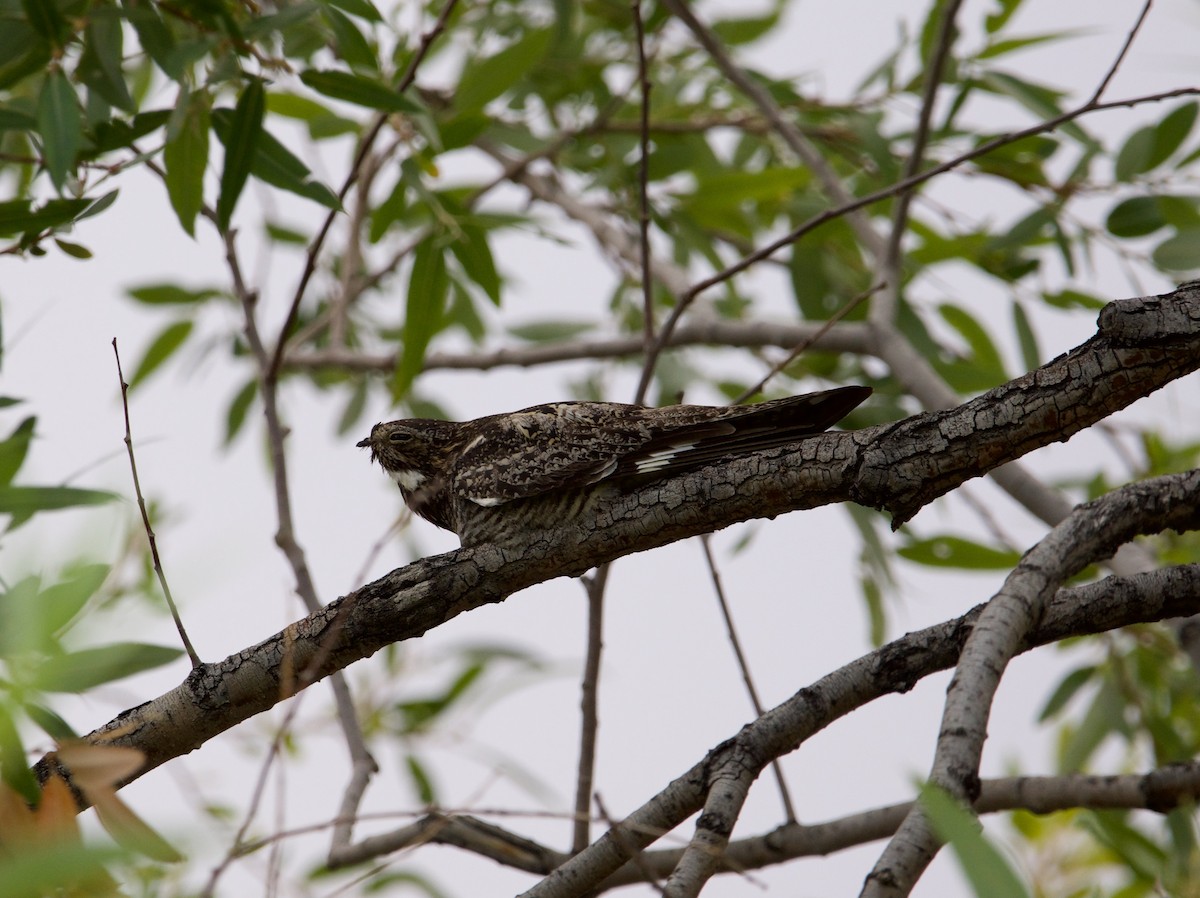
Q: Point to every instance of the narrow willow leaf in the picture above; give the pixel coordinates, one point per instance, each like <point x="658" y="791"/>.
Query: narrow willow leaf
<point x="88" y="668"/>
<point x="276" y="165"/>
<point x="100" y="66"/>
<point x="427" y="289"/>
<point x="186" y="158"/>
<point x="235" y="417"/>
<point x="170" y="294"/>
<point x="14" y="449"/>
<point x="27" y="500"/>
<point x="485" y="79"/>
<point x="161" y="348"/>
<point x="359" y="90"/>
<point x="986" y="869"/>
<point x="60" y="125"/>
<point x="240" y="148"/>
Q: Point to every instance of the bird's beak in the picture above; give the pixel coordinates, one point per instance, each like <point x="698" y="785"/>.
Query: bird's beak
<point x="364" y="444"/>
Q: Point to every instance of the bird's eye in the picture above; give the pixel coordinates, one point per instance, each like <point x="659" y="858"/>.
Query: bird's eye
<point x="399" y="436"/>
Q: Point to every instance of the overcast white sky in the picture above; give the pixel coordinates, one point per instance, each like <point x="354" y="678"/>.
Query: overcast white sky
<point x="670" y="689"/>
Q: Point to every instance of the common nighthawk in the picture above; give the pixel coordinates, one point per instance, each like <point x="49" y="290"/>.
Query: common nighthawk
<point x="493" y="478"/>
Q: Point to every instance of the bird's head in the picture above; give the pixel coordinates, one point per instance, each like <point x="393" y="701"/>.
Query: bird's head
<point x="414" y="452"/>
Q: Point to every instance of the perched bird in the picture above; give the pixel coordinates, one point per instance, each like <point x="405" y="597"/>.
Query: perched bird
<point x="493" y="478"/>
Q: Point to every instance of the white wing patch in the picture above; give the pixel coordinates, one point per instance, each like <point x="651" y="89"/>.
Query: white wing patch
<point x="487" y="501"/>
<point x="656" y="461"/>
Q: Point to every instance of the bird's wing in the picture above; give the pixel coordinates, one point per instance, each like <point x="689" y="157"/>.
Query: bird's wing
<point x="546" y="448"/>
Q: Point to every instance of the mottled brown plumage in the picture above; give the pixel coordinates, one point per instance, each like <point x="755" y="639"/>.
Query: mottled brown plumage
<point x="490" y="479"/>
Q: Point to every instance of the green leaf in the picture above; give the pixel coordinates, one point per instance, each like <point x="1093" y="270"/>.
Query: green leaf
<point x="14" y="449"/>
<point x="87" y="668"/>
<point x="74" y="250"/>
<point x="1104" y="717"/>
<point x="1073" y="299"/>
<point x="17" y="217"/>
<point x="60" y="125"/>
<point x="283" y="234"/>
<point x="996" y="49"/>
<point x="55" y="727"/>
<point x="744" y="31"/>
<point x="22" y="51"/>
<point x="984" y="356"/>
<point x="1065" y="691"/>
<point x="154" y="37"/>
<point x="1136" y="154"/>
<point x="322" y="122"/>
<point x="43" y="867"/>
<point x="46" y="20"/>
<point x="171" y="294"/>
<point x="186" y="158"/>
<point x="1135" y="217"/>
<point x="241" y="145"/>
<point x="1173" y="130"/>
<point x="161" y="348"/>
<point x="349" y="43"/>
<point x="549" y="331"/>
<point x="100" y="65"/>
<point x="15" y="120"/>
<point x="422" y="782"/>
<point x="58" y="605"/>
<point x="359" y="90"/>
<point x="1030" y="354"/>
<point x="427" y="290"/>
<point x="354" y="408"/>
<point x="473" y="253"/>
<point x="238" y="407"/>
<point x="364" y="9"/>
<point x="1179" y="253"/>
<point x="956" y="552"/>
<point x="484" y="79"/>
<point x="27" y="500"/>
<point x="989" y="874"/>
<point x="14" y="768"/>
<point x="276" y="165"/>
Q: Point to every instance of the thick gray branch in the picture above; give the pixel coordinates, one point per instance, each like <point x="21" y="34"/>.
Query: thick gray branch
<point x="898" y="466"/>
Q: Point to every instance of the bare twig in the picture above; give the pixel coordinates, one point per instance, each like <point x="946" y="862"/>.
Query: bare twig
<point x="744" y="665"/>
<point x="644" y="182"/>
<point x="588" y="704"/>
<point x="137" y="489"/>
<point x="803" y="345"/>
<point x="1116" y="63"/>
<point x="904" y="184"/>
<point x="364" y="148"/>
<point x="891" y="262"/>
<point x="710" y="331"/>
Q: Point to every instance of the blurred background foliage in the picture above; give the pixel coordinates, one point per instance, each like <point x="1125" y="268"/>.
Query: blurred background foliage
<point x="211" y="96"/>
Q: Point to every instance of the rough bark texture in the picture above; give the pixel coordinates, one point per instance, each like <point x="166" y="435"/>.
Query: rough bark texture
<point x="1142" y="345"/>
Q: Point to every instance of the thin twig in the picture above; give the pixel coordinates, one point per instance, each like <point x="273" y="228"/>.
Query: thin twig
<point x="744" y="665"/>
<point x="886" y="310"/>
<point x="808" y="341"/>
<point x="589" y="691"/>
<point x="588" y="702"/>
<point x="137" y="489"/>
<point x="364" y="148"/>
<point x="1116" y="63"/>
<point x="687" y="297"/>
<point x="644" y="181"/>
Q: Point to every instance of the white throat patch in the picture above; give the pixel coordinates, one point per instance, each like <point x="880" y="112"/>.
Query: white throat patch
<point x="409" y="480"/>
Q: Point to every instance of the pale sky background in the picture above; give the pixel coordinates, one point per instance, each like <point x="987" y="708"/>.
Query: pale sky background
<point x="670" y="689"/>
